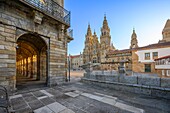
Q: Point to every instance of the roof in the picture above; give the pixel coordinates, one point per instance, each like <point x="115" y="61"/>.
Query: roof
<point x="119" y="51"/>
<point x="150" y="46"/>
<point x="164" y="57"/>
<point x="156" y="45"/>
<point x="74" y="56"/>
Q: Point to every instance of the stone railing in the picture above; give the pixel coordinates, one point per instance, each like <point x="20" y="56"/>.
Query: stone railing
<point x="148" y="85"/>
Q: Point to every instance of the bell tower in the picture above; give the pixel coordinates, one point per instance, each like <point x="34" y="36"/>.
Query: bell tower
<point x="105" y="33"/>
<point x="166" y="31"/>
<point x="134" y="41"/>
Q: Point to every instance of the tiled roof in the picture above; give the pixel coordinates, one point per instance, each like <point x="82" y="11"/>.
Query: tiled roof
<point x="156" y="45"/>
<point x="150" y="46"/>
<point x="164" y="57"/>
<point x="119" y="51"/>
<point x="74" y="56"/>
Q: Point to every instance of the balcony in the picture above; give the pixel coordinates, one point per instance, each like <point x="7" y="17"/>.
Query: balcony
<point x="69" y="35"/>
<point x="51" y="9"/>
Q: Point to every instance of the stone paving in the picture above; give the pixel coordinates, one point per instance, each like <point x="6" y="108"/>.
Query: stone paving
<point x="78" y="97"/>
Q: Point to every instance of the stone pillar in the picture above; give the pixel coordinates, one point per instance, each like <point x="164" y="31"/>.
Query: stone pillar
<point x="23" y="67"/>
<point x="26" y="67"/>
<point x="31" y="67"/>
<point x="38" y="67"/>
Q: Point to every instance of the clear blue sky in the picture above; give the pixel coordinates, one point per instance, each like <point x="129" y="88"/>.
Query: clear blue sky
<point x="148" y="17"/>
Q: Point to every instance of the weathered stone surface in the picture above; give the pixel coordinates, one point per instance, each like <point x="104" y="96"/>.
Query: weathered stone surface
<point x="14" y="23"/>
<point x="3" y="56"/>
<point x="128" y="79"/>
<point x="112" y="78"/>
<point x="149" y="81"/>
<point x="165" y="82"/>
<point x="2" y="47"/>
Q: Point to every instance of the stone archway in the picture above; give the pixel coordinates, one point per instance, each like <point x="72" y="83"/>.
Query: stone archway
<point x="31" y="60"/>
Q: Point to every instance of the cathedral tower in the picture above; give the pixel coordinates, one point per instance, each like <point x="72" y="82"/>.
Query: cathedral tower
<point x="166" y="31"/>
<point x="88" y="43"/>
<point x="105" y="33"/>
<point x="105" y="40"/>
<point x="134" y="41"/>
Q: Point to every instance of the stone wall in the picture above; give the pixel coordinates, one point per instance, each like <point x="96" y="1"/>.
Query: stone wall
<point x="16" y="20"/>
<point x="154" y="86"/>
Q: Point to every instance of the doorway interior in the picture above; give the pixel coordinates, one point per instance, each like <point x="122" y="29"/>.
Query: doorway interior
<point x="31" y="62"/>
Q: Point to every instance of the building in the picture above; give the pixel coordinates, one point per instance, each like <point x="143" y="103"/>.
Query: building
<point x="121" y="58"/>
<point x="76" y="61"/>
<point x="33" y="41"/>
<point x="142" y="59"/>
<point x="162" y="66"/>
<point x="95" y="51"/>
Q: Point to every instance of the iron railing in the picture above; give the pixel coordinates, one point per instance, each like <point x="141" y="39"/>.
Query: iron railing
<point x="50" y="8"/>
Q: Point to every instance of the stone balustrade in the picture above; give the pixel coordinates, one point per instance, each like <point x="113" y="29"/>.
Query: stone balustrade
<point x="148" y="85"/>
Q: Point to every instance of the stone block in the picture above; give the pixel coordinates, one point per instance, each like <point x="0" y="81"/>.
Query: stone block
<point x="111" y="78"/>
<point x="165" y="82"/>
<point x="1" y="28"/>
<point x="4" y="83"/>
<point x="2" y="78"/>
<point x="107" y="73"/>
<point x="160" y="93"/>
<point x="128" y="79"/>
<point x="3" y="65"/>
<point x="2" y="47"/>
<point x="149" y="81"/>
<point x="100" y="77"/>
<point x="142" y="89"/>
<point x="11" y="48"/>
<point x="3" y="56"/>
<point x="10" y="39"/>
<point x="10" y="31"/>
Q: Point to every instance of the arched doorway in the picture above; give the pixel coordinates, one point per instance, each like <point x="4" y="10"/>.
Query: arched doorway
<point x="31" y="61"/>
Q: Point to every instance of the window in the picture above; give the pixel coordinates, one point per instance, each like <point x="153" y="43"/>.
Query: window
<point x="168" y="72"/>
<point x="147" y="67"/>
<point x="163" y="72"/>
<point x="147" y="56"/>
<point x="155" y="55"/>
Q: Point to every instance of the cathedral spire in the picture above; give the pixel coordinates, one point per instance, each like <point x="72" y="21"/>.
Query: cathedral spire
<point x="134" y="41"/>
<point x="89" y="30"/>
<point x="105" y="24"/>
<point x="166" y="31"/>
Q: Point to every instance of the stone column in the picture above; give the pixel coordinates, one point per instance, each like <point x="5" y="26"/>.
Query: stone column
<point x="26" y="67"/>
<point x="23" y="67"/>
<point x="38" y="67"/>
<point x="31" y="67"/>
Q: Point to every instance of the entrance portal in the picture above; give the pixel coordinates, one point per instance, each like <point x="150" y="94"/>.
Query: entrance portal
<point x="32" y="64"/>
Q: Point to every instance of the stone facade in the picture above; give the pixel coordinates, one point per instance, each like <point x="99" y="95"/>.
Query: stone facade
<point x="143" y="63"/>
<point x="24" y="27"/>
<point x="140" y="59"/>
<point x="76" y="61"/>
<point x="95" y="51"/>
<point x="121" y="58"/>
<point x="117" y="58"/>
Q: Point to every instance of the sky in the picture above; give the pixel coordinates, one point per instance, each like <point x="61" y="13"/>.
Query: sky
<point x="147" y="17"/>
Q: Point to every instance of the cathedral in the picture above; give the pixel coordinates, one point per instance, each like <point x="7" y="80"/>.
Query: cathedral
<point x="94" y="50"/>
